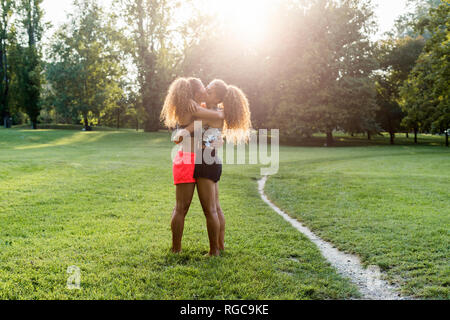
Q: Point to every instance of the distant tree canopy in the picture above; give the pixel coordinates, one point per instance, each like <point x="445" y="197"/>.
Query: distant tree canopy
<point x="21" y="31"/>
<point x="316" y="70"/>
<point x="6" y="41"/>
<point x="311" y="75"/>
<point x="29" y="62"/>
<point x="406" y="24"/>
<point x="397" y="57"/>
<point x="426" y="92"/>
<point x="85" y="72"/>
<point x="322" y="77"/>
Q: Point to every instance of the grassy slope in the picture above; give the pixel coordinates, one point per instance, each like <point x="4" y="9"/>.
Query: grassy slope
<point x="388" y="204"/>
<point x="102" y="201"/>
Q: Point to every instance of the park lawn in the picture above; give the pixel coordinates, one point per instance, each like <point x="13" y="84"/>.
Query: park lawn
<point x="388" y="204"/>
<point x="102" y="201"/>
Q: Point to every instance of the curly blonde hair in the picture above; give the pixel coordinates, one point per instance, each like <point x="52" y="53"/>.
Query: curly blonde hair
<point x="237" y="122"/>
<point x="179" y="100"/>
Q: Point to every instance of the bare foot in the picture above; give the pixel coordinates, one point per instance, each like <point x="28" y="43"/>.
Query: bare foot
<point x="213" y="253"/>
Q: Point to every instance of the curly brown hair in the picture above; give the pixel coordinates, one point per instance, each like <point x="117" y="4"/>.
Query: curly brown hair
<point x="236" y="110"/>
<point x="179" y="100"/>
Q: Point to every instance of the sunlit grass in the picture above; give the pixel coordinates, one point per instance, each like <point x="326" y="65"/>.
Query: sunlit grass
<point x="102" y="201"/>
<point x="104" y="204"/>
<point x="388" y="204"/>
<point x="84" y="137"/>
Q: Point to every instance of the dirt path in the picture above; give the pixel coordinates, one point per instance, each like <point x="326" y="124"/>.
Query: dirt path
<point x="369" y="280"/>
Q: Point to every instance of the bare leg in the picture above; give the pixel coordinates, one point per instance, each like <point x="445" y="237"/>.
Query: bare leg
<point x="221" y="220"/>
<point x="206" y="193"/>
<point x="184" y="193"/>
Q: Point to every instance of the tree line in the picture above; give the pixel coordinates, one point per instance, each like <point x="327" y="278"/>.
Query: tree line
<point x="21" y="65"/>
<point x="316" y="71"/>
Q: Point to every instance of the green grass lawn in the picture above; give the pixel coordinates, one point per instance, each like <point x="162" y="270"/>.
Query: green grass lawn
<point x="388" y="204"/>
<point x="102" y="201"/>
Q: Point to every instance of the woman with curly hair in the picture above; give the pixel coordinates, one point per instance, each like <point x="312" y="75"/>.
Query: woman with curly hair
<point x="180" y="108"/>
<point x="234" y="127"/>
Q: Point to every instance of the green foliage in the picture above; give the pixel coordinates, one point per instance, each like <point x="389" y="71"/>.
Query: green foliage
<point x="396" y="57"/>
<point x="28" y="64"/>
<point x="312" y="74"/>
<point x="6" y="37"/>
<point x="29" y="82"/>
<point x="425" y="94"/>
<point x="151" y="25"/>
<point x="86" y="69"/>
<point x="123" y="112"/>
<point x="407" y="25"/>
<point x="323" y="74"/>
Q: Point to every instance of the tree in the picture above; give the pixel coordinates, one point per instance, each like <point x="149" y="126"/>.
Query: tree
<point x="321" y="63"/>
<point x="311" y="75"/>
<point x="152" y="46"/>
<point x="86" y="68"/>
<point x="122" y="113"/>
<point x="406" y="24"/>
<point x="389" y="115"/>
<point x="29" y="65"/>
<point x="425" y="94"/>
<point x="397" y="58"/>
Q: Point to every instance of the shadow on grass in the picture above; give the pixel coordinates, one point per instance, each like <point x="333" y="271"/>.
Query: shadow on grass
<point x="25" y="139"/>
<point x="76" y="127"/>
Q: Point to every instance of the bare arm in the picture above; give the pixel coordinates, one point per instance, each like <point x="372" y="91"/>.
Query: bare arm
<point x="190" y="128"/>
<point x="201" y="113"/>
<point x="207" y="116"/>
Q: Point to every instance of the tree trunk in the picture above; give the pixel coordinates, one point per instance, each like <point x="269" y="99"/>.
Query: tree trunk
<point x="149" y="126"/>
<point x="86" y="123"/>
<point x="4" y="67"/>
<point x="415" y="135"/>
<point x="330" y="138"/>
<point x="7" y="121"/>
<point x="369" y="136"/>
<point x="446" y="138"/>
<point x="392" y="136"/>
<point x="118" y="120"/>
<point x="33" y="124"/>
<point x="407" y="135"/>
<point x="152" y="119"/>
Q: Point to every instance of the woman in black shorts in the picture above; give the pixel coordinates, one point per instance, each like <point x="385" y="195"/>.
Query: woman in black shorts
<point x="234" y="128"/>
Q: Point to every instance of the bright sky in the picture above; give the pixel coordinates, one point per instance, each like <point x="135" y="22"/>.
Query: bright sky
<point x="387" y="12"/>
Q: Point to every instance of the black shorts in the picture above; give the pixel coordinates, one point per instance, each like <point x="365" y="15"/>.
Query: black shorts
<point x="209" y="171"/>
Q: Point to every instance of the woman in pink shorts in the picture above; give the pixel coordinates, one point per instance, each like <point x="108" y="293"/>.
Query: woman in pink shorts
<point x="182" y="107"/>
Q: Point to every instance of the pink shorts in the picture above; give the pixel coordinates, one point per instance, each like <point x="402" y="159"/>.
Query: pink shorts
<point x="183" y="167"/>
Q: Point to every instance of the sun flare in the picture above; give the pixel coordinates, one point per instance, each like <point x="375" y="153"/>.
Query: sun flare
<point x="246" y="18"/>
